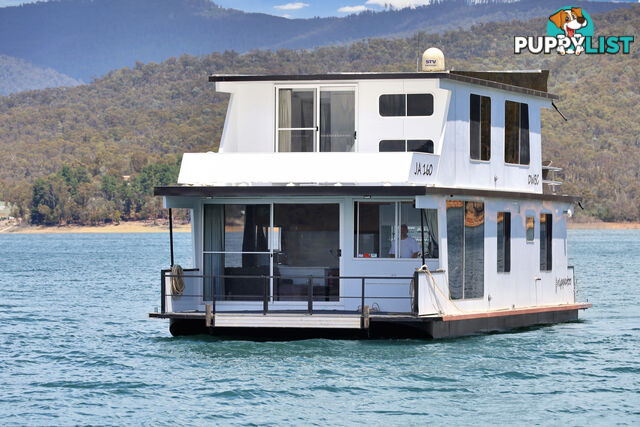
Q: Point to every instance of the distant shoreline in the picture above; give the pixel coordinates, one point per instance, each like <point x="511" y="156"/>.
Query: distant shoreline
<point x="150" y="227"/>
<point x="603" y="225"/>
<point x="123" y="227"/>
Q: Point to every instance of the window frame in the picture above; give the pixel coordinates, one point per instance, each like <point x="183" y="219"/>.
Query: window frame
<point x="548" y="242"/>
<point x="406" y="104"/>
<point x="506" y="243"/>
<point x="533" y="233"/>
<point x="316" y="135"/>
<point x="480" y="141"/>
<point x="463" y="249"/>
<point x="520" y="132"/>
<point x="397" y="223"/>
<point x="406" y="146"/>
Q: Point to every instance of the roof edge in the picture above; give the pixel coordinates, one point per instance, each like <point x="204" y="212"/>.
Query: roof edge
<point x="352" y="190"/>
<point x="461" y="76"/>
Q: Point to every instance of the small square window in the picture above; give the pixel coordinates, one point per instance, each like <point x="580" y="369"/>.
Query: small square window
<point x="388" y="145"/>
<point x="419" y="104"/>
<point x="530" y="229"/>
<point x="392" y="105"/>
<point x="420" y="145"/>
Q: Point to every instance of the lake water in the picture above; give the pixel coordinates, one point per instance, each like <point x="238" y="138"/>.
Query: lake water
<point x="76" y="347"/>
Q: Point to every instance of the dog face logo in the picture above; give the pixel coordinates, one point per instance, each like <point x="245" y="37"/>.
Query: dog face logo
<point x="569" y="20"/>
<point x="570" y="25"/>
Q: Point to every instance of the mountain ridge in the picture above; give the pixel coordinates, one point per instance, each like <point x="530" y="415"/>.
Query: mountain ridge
<point x="85" y="38"/>
<point x="151" y="113"/>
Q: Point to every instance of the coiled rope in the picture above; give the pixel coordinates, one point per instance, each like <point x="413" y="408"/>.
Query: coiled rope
<point x="425" y="269"/>
<point x="177" y="280"/>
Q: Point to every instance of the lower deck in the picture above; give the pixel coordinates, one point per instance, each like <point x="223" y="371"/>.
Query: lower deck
<point x="366" y="324"/>
<point x="345" y="262"/>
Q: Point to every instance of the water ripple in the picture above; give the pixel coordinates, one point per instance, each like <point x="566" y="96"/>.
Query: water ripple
<point x="76" y="347"/>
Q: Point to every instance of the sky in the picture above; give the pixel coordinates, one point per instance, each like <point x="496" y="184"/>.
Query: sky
<point x="299" y="9"/>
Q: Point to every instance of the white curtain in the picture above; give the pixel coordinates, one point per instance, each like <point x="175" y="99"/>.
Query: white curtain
<point x="284" y="120"/>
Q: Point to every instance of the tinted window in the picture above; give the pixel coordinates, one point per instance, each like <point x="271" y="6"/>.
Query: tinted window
<point x="415" y="145"/>
<point x="545" y="242"/>
<point x="392" y="105"/>
<point x="420" y="145"/>
<point x="516" y="133"/>
<point x="530" y="228"/>
<point x="524" y="134"/>
<point x="480" y="127"/>
<point x="504" y="242"/>
<point x="465" y="242"/>
<point x="391" y="145"/>
<point x="420" y="104"/>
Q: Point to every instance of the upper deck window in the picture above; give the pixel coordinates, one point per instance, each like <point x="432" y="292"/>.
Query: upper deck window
<point x="415" y="145"/>
<point x="401" y="105"/>
<point x="480" y="127"/>
<point x="316" y="119"/>
<point x="516" y="133"/>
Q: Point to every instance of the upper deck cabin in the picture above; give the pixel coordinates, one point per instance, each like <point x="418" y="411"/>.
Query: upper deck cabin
<point x="476" y="130"/>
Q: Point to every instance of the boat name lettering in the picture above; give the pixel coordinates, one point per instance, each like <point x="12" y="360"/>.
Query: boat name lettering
<point x="562" y="283"/>
<point x="534" y="179"/>
<point x="423" y="169"/>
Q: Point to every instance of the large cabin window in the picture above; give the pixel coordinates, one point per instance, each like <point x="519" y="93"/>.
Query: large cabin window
<point x="480" y="127"/>
<point x="316" y="119"/>
<point x="401" y="105"/>
<point x="465" y="242"/>
<point x="414" y="145"/>
<point x="394" y="230"/>
<point x="546" y="238"/>
<point x="516" y="133"/>
<point x="504" y="242"/>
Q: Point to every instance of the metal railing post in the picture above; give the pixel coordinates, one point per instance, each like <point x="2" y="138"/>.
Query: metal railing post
<point x="213" y="294"/>
<point x="362" y="296"/>
<point x="265" y="301"/>
<point x="162" y="292"/>
<point x="310" y="295"/>
<point x="414" y="305"/>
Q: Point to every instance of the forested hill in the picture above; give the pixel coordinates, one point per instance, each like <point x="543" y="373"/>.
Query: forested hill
<point x="88" y="38"/>
<point x="135" y="118"/>
<point x="17" y="75"/>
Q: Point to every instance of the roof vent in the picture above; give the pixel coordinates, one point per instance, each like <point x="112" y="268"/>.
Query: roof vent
<point x="433" y="60"/>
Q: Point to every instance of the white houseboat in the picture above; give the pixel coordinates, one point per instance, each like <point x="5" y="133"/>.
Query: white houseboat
<point x="374" y="204"/>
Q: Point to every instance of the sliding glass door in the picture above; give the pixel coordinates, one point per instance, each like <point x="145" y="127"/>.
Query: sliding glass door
<point x="308" y="244"/>
<point x="296" y="120"/>
<point x="244" y="244"/>
<point x="316" y="119"/>
<point x="235" y="241"/>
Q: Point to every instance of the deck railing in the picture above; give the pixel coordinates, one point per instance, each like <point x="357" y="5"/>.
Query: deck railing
<point x="267" y="297"/>
<point x="550" y="182"/>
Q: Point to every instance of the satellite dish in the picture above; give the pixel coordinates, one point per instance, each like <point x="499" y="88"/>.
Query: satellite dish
<point x="433" y="60"/>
